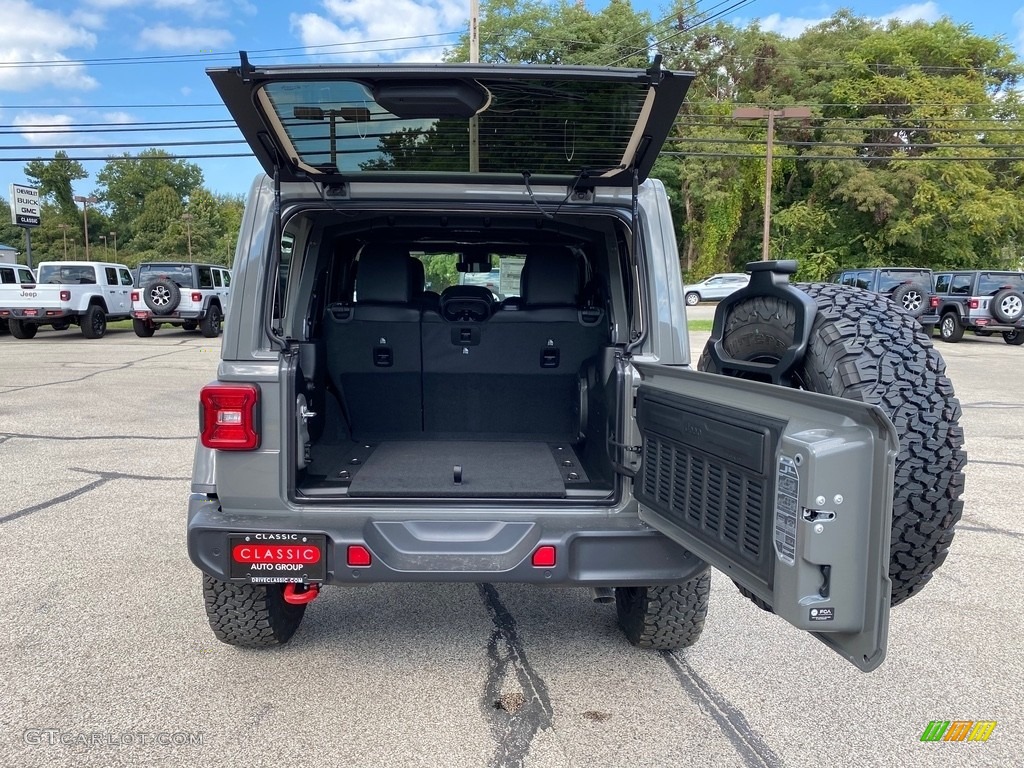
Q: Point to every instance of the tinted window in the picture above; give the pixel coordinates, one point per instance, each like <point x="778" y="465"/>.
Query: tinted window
<point x="848" y="278"/>
<point x="205" y="277"/>
<point x="216" y="277"/>
<point x="961" y="285"/>
<point x="111" y="274"/>
<point x="941" y="283"/>
<point x="889" y="279"/>
<point x="227" y="278"/>
<point x="864" y="280"/>
<point x="6" y="275"/>
<point x="76" y="274"/>
<point x="990" y="284"/>
<point x="181" y="274"/>
<point x="126" y="276"/>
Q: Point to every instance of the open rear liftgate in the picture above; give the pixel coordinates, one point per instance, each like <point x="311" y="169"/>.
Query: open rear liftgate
<point x="795" y="506"/>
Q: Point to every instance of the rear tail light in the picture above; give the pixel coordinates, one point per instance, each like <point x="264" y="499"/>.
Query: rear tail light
<point x="228" y="416"/>
<point x="65" y="295"/>
<point x="933" y="302"/>
<point x="135" y="295"/>
<point x="973" y="304"/>
<point x="358" y="556"/>
<point x="544" y="557"/>
<point x="197" y="297"/>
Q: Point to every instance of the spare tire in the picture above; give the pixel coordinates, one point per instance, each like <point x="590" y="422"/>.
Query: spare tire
<point x="867" y="350"/>
<point x="1008" y="305"/>
<point x="162" y="296"/>
<point x="912" y="297"/>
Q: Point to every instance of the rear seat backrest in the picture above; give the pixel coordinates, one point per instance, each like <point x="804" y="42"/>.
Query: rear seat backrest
<point x="374" y="348"/>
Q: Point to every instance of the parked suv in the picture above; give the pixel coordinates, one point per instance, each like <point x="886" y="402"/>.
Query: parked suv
<point x="175" y="293"/>
<point x="909" y="287"/>
<point x="14" y="274"/>
<point x="983" y="301"/>
<point x="714" y="288"/>
<point x="361" y="430"/>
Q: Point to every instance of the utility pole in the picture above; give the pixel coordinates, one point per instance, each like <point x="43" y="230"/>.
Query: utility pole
<point x="64" y="230"/>
<point x="114" y="235"/>
<point x="474" y="58"/>
<point x="758" y="113"/>
<point x="187" y="218"/>
<point x="85" y="218"/>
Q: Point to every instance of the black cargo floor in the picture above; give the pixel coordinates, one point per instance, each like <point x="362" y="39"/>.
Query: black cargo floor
<point x="427" y="468"/>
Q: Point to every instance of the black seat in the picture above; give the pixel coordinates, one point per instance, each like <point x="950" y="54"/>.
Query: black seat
<point x="427" y="300"/>
<point x="373" y="345"/>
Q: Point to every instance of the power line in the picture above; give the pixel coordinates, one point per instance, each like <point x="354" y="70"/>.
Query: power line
<point x="115" y="146"/>
<point x="109" y="158"/>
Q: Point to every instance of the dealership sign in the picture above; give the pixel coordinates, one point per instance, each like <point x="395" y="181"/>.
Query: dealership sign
<point x="24" y="206"/>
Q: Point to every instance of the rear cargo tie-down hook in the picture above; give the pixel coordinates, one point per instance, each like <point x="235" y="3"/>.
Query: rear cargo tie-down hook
<point x="307" y="595"/>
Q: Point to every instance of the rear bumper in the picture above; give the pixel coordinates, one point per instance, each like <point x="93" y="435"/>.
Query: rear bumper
<point x="36" y="314"/>
<point x="172" y="318"/>
<point x="591" y="550"/>
<point x="991" y="324"/>
<point x="929" y="319"/>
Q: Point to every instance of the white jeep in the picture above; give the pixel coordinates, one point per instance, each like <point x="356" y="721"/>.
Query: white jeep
<point x="175" y="293"/>
<point x="64" y="293"/>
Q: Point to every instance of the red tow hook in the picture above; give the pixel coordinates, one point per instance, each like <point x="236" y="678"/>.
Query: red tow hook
<point x="307" y="595"/>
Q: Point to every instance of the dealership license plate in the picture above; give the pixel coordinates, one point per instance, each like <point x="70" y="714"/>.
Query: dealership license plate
<point x="275" y="558"/>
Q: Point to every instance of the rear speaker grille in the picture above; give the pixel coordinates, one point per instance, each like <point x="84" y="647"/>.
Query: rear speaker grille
<point x="699" y="493"/>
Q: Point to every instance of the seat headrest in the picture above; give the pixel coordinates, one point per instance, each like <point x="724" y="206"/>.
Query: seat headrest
<point x="417" y="276"/>
<point x="384" y="274"/>
<point x="551" y="277"/>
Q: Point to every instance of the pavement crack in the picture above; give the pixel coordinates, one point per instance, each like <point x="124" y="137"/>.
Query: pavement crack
<point x="55" y="501"/>
<point x="992" y="404"/>
<point x="111" y="369"/>
<point x="1016" y="464"/>
<point x="980" y="528"/>
<point x="748" y="743"/>
<point x="5" y="436"/>
<point x="515" y="716"/>
<point x="108" y="476"/>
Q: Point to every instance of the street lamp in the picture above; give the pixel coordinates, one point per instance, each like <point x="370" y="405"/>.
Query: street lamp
<point x="104" y="239"/>
<point x="114" y="235"/>
<point x="64" y="229"/>
<point x="758" y="113"/>
<point x="187" y="218"/>
<point x="85" y="218"/>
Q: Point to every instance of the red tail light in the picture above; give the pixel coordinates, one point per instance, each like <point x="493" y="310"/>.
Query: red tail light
<point x="135" y="295"/>
<point x="933" y="302"/>
<point x="65" y="295"/>
<point x="544" y="557"/>
<point x="358" y="556"/>
<point x="197" y="297"/>
<point x="973" y="304"/>
<point x="228" y="417"/>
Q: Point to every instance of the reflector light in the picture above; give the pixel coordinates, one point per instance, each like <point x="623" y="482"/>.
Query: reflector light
<point x="358" y="556"/>
<point x="135" y="295"/>
<point x="544" y="557"/>
<point x="227" y="417"/>
<point x="65" y="295"/>
<point x="197" y="297"/>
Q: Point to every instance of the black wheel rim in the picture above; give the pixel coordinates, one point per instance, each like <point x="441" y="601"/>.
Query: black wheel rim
<point x="98" y="322"/>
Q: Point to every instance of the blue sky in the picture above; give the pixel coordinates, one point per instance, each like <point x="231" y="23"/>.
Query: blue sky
<point x="63" y="68"/>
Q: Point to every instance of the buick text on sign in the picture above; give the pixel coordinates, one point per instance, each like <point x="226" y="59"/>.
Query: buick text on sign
<point x="24" y="206"/>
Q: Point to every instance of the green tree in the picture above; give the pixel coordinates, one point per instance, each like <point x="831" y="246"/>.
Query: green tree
<point x="54" y="179"/>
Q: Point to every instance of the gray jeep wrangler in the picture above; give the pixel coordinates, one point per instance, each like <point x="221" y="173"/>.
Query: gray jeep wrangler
<point x="365" y="429"/>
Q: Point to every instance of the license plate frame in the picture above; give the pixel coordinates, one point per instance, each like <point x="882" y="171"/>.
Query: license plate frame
<point x="277" y="558"/>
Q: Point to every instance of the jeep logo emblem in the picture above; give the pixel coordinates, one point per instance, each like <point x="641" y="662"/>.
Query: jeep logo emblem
<point x="29" y="294"/>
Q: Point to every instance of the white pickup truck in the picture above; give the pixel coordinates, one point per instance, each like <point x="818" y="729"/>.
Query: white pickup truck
<point x="84" y="293"/>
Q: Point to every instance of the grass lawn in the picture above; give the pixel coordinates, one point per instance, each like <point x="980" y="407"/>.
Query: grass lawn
<point x="699" y="325"/>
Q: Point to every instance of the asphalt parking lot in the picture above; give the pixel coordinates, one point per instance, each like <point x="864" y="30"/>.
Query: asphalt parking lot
<point x="107" y="658"/>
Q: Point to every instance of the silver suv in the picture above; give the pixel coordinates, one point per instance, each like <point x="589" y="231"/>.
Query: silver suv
<point x="363" y="428"/>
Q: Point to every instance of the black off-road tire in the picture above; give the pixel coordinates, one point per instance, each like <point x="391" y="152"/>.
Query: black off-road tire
<point x="162" y="296"/>
<point x="1008" y="305"/>
<point x="94" y="322"/>
<point x="667" y="617"/>
<point x="950" y="328"/>
<point x="143" y="328"/>
<point x="250" y="615"/>
<point x="1014" y="338"/>
<point x="871" y="351"/>
<point x="209" y="326"/>
<point x="22" y="330"/>
<point x="912" y="297"/>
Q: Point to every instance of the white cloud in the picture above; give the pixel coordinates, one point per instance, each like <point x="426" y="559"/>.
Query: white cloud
<point x="168" y="38"/>
<point x="794" y="26"/>
<point x="54" y="125"/>
<point x="118" y="117"/>
<point x="372" y="35"/>
<point x="30" y="35"/>
<point x="914" y="12"/>
<point x="185" y="90"/>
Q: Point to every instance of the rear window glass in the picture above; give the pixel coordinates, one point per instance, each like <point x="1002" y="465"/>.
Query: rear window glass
<point x="180" y="274"/>
<point x="990" y="284"/>
<point x="67" y="274"/>
<point x="544" y="126"/>
<point x="889" y="279"/>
